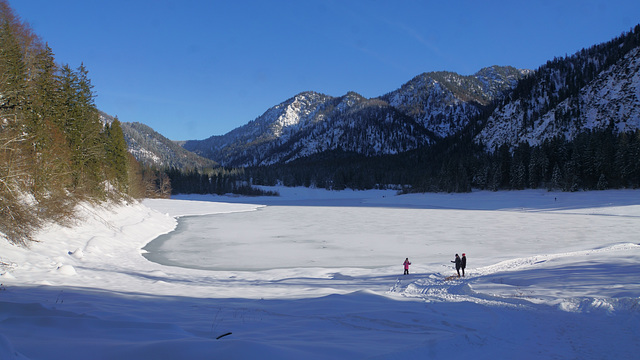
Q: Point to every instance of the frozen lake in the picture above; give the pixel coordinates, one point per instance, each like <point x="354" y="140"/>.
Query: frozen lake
<point x="282" y="237"/>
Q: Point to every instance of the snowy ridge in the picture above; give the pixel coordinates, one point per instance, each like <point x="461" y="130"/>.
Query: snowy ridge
<point x="612" y="99"/>
<point x="247" y="144"/>
<point x="151" y="148"/>
<point x="292" y="115"/>
<point x="445" y="102"/>
<point x="355" y="124"/>
<point x="614" y="95"/>
<point x="429" y="106"/>
<point x="312" y="123"/>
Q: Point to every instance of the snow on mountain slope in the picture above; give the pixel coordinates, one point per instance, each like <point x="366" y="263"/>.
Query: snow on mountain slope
<point x="354" y="124"/>
<point x="429" y="106"/>
<point x="246" y="144"/>
<point x="445" y="102"/>
<point x="311" y="123"/>
<point x="614" y="97"/>
<point x="611" y="99"/>
<point x="152" y="149"/>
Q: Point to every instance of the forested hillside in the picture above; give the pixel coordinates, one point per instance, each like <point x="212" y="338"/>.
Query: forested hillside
<point x="54" y="150"/>
<point x="152" y="149"/>
<point x="592" y="89"/>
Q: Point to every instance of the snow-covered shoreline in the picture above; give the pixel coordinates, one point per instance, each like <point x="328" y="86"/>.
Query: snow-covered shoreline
<point x="79" y="291"/>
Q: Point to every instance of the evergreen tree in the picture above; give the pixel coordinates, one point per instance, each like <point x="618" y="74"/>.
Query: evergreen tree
<point x="556" y="179"/>
<point x="83" y="131"/>
<point x="50" y="170"/>
<point x="602" y="183"/>
<point x="116" y="155"/>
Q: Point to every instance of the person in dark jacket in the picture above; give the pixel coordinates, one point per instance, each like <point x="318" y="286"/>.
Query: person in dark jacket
<point x="458" y="263"/>
<point x="463" y="263"/>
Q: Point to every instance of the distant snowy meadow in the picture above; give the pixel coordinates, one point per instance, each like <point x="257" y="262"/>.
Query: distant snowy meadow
<point x="317" y="274"/>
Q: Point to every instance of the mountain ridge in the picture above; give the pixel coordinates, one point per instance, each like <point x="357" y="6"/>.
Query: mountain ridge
<point x="150" y="148"/>
<point x="592" y="89"/>
<point x="310" y="122"/>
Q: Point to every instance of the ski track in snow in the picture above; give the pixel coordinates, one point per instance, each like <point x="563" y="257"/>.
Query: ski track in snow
<point x="436" y="287"/>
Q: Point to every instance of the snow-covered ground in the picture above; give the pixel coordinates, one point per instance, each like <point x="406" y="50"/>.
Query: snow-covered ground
<point x="314" y="274"/>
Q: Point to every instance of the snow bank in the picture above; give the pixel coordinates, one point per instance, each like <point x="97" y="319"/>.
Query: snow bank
<point x="546" y="270"/>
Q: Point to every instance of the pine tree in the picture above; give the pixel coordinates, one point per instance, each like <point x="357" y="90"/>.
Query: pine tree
<point x="50" y="170"/>
<point x="83" y="129"/>
<point x="116" y="155"/>
<point x="556" y="178"/>
<point x="602" y="183"/>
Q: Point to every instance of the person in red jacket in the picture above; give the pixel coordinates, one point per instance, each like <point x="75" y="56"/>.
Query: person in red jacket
<point x="406" y="266"/>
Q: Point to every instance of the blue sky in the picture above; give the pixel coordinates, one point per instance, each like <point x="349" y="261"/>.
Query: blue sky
<point x="192" y="69"/>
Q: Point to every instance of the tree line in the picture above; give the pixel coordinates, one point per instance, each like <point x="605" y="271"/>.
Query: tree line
<point x="217" y="181"/>
<point x="594" y="160"/>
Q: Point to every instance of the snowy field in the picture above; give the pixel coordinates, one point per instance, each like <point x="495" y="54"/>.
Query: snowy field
<point x="314" y="274"/>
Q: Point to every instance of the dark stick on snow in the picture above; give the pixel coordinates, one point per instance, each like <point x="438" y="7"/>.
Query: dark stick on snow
<point x="223" y="335"/>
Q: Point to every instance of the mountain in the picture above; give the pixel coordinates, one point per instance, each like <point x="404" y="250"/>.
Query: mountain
<point x="596" y="88"/>
<point x="443" y="102"/>
<point x="152" y="149"/>
<point x="311" y="123"/>
<point x="429" y="107"/>
<point x="571" y="124"/>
